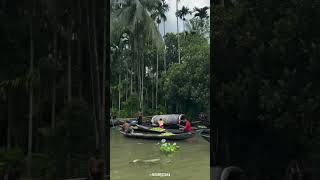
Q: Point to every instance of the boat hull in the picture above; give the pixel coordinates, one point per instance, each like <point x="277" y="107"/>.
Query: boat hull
<point x="181" y="136"/>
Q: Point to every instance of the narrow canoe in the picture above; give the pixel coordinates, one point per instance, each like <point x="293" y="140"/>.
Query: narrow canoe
<point x="158" y="136"/>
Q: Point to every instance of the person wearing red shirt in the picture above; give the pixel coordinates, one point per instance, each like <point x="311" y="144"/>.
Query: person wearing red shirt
<point x="187" y="127"/>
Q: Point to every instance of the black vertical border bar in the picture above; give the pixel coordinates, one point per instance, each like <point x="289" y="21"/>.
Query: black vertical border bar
<point x="213" y="133"/>
<point x="108" y="70"/>
<point x="210" y="92"/>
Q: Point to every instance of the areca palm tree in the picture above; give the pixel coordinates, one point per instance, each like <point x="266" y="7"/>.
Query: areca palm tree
<point x="177" y="3"/>
<point x="201" y="12"/>
<point x="157" y="14"/>
<point x="135" y="16"/>
<point x="133" y="13"/>
<point x="182" y="14"/>
<point x="165" y="8"/>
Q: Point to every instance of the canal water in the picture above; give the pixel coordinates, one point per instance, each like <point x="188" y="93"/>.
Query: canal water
<point x="192" y="161"/>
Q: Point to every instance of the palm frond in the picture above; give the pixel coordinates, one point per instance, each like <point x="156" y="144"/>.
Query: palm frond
<point x="129" y="17"/>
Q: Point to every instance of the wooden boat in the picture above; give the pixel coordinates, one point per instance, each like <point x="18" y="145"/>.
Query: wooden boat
<point x="205" y="133"/>
<point x="146" y="135"/>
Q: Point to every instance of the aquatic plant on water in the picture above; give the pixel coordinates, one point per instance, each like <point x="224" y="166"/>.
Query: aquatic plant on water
<point x="168" y="148"/>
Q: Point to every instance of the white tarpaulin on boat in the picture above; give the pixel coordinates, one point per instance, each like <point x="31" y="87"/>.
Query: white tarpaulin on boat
<point x="167" y="118"/>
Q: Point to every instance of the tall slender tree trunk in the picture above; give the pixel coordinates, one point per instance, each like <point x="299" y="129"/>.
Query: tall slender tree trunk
<point x="184" y="22"/>
<point x="119" y="97"/>
<point x="165" y="48"/>
<point x="140" y="80"/>
<point x="131" y="81"/>
<point x="126" y="88"/>
<point x="164" y="55"/>
<point x="30" y="124"/>
<point x="79" y="38"/>
<point x="157" y="76"/>
<point x="177" y="2"/>
<point x="139" y="75"/>
<point x="142" y="77"/>
<point x="53" y="101"/>
<point x="10" y="118"/>
<point x="152" y="91"/>
<point x="53" y="106"/>
<point x="69" y="63"/>
<point x="96" y="74"/>
<point x="94" y="107"/>
<point x="103" y="99"/>
<point x="80" y="93"/>
<point x="222" y="3"/>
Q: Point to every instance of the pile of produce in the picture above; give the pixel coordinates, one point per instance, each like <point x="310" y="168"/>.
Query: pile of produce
<point x="134" y="127"/>
<point x="157" y="129"/>
<point x="201" y="126"/>
<point x="167" y="134"/>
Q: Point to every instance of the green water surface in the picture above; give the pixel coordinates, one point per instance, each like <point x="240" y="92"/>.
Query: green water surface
<point x="192" y="161"/>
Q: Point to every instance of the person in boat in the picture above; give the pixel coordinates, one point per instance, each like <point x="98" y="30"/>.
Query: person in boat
<point x="139" y="118"/>
<point x="126" y="127"/>
<point x="187" y="125"/>
<point x="96" y="167"/>
<point x="161" y="123"/>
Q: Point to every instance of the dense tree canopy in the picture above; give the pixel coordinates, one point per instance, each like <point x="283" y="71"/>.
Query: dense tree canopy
<point x="148" y="78"/>
<point x="51" y="82"/>
<point x="266" y="92"/>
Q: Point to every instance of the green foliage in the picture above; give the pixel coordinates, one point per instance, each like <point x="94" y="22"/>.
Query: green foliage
<point x="266" y="92"/>
<point x="188" y="83"/>
<point x="135" y="17"/>
<point x="13" y="158"/>
<point x="199" y="26"/>
<point x="181" y="88"/>
<point x="172" y="48"/>
<point x="129" y="108"/>
<point x="114" y="111"/>
<point x="43" y="166"/>
<point x="168" y="148"/>
<point x="76" y="127"/>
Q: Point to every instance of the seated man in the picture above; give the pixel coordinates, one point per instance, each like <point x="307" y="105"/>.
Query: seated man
<point x="126" y="127"/>
<point x="187" y="127"/>
<point x="139" y="118"/>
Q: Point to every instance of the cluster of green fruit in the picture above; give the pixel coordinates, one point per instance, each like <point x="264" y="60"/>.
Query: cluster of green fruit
<point x="201" y="126"/>
<point x="157" y="129"/>
<point x="167" y="134"/>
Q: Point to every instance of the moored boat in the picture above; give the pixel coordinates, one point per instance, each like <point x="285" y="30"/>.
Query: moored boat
<point x="167" y="136"/>
<point x="158" y="130"/>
